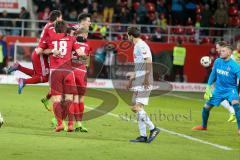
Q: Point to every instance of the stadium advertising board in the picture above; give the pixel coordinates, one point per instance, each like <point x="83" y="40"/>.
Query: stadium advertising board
<point x="12" y="6"/>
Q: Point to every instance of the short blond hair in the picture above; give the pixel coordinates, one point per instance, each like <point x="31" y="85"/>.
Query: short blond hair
<point x="221" y="43"/>
<point x="228" y="46"/>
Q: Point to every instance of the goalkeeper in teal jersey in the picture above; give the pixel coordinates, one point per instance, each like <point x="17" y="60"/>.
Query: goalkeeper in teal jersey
<point x="224" y="73"/>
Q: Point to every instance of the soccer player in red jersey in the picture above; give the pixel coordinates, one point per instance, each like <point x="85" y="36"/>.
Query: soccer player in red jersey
<point x="62" y="79"/>
<point x="82" y="27"/>
<point x="80" y="73"/>
<point x="40" y="71"/>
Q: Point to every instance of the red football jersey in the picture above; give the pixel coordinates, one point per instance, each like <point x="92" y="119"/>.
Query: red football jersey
<point x="85" y="48"/>
<point x="45" y="35"/>
<point x="65" y="44"/>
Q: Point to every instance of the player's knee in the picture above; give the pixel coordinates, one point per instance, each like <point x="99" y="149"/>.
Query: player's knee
<point x="208" y="107"/>
<point x="137" y="107"/>
<point x="68" y="97"/>
<point x="133" y="108"/>
<point x="75" y="99"/>
<point x="44" y="79"/>
<point x="235" y="102"/>
<point x="81" y="99"/>
<point x="56" y="99"/>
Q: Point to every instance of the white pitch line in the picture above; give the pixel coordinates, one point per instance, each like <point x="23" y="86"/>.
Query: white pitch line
<point x="172" y="132"/>
<point x="185" y="97"/>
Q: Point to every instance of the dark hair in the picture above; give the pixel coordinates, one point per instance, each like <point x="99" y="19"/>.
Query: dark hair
<point x="54" y="15"/>
<point x="133" y="31"/>
<point x="81" y="39"/>
<point x="23" y="8"/>
<point x="69" y="29"/>
<point x="179" y="41"/>
<point x="83" y="16"/>
<point x="60" y="27"/>
<point x="221" y="43"/>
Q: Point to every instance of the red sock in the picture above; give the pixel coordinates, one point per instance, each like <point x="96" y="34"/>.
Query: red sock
<point x="36" y="79"/>
<point x="48" y="96"/>
<point x="58" y="111"/>
<point x="70" y="109"/>
<point x="25" y="70"/>
<point x="81" y="110"/>
<point x="65" y="111"/>
<point x="76" y="112"/>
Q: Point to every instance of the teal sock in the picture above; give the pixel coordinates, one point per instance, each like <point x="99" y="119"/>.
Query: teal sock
<point x="237" y="113"/>
<point x="205" y="115"/>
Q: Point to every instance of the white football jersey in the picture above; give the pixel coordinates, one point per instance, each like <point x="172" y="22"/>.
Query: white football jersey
<point x="141" y="51"/>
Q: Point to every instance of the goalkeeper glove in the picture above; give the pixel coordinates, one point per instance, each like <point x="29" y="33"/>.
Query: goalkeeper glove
<point x="208" y="93"/>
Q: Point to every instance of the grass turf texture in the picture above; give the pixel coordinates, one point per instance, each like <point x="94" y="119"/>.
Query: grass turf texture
<point x="27" y="133"/>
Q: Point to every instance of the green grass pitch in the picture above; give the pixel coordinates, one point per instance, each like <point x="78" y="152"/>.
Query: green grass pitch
<point x="27" y="133"/>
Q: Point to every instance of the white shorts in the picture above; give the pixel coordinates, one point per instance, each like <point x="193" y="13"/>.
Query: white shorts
<point x="141" y="97"/>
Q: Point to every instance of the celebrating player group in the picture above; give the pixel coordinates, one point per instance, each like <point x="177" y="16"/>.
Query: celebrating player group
<point x="62" y="56"/>
<point x="64" y="47"/>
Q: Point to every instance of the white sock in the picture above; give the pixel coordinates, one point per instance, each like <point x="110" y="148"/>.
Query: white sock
<point x="142" y="126"/>
<point x="226" y="105"/>
<point x="146" y="119"/>
<point x="231" y="110"/>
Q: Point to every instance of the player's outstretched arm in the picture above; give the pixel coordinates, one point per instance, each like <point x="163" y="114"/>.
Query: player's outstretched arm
<point x="131" y="77"/>
<point x="80" y="52"/>
<point x="51" y="51"/>
<point x="211" y="79"/>
<point x="208" y="90"/>
<point x="212" y="76"/>
<point x="47" y="51"/>
<point x="82" y="55"/>
<point x="39" y="50"/>
<point x="148" y="70"/>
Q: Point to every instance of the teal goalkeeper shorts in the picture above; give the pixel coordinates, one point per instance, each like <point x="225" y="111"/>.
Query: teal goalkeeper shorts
<point x="219" y="96"/>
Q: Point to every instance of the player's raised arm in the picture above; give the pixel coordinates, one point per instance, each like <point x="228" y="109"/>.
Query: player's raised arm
<point x="80" y="52"/>
<point x="212" y="76"/>
<point x="148" y="68"/>
<point x="211" y="79"/>
<point x="51" y="51"/>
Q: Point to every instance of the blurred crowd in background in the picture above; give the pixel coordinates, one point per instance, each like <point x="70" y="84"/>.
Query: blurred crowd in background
<point x="161" y="13"/>
<point x="157" y="12"/>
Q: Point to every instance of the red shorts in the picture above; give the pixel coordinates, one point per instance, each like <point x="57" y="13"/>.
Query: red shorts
<point x="40" y="64"/>
<point x="62" y="82"/>
<point x="81" y="80"/>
